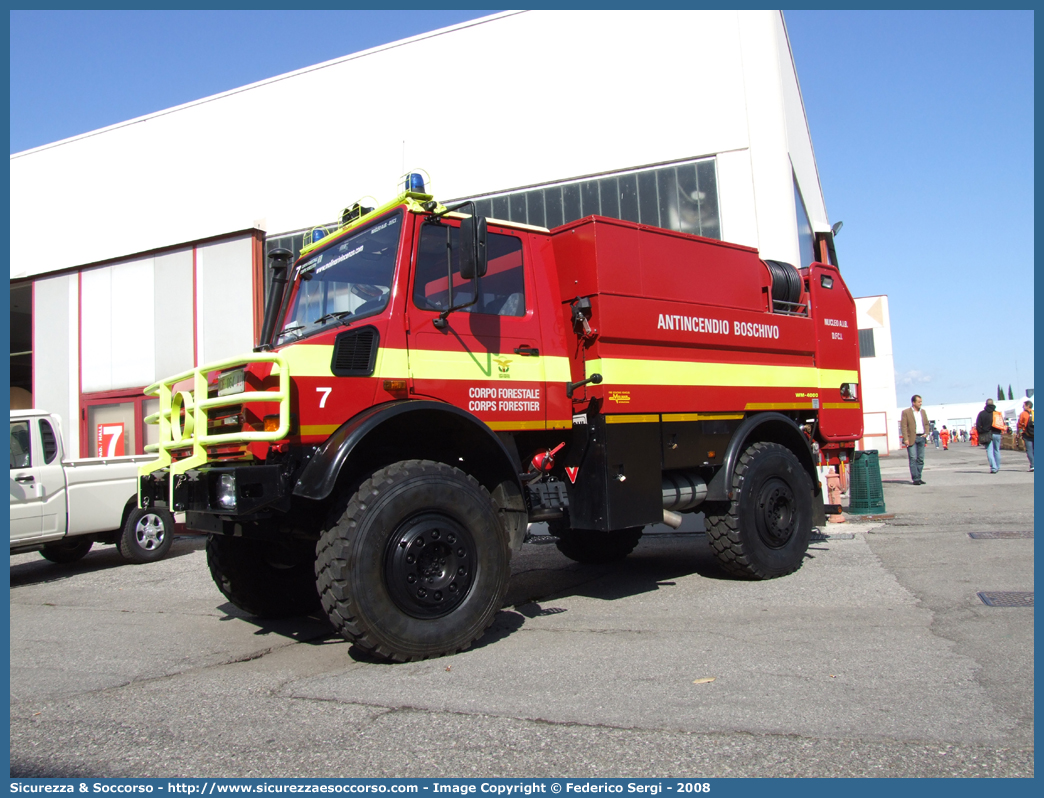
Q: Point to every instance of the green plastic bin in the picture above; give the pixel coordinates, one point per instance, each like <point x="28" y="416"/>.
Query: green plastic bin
<point x="865" y="491"/>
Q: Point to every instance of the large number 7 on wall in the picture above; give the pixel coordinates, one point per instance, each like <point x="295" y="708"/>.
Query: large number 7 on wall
<point x="326" y="393"/>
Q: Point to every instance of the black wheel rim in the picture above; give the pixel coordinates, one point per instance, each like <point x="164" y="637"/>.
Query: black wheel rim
<point x="430" y="565"/>
<point x="776" y="513"/>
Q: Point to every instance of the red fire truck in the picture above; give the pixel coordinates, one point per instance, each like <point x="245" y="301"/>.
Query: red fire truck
<point x="429" y="382"/>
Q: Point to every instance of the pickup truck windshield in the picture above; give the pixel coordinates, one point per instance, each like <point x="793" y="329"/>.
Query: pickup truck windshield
<point x="349" y="279"/>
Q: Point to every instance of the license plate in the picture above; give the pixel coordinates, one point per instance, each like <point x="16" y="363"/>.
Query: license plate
<point x="231" y="382"/>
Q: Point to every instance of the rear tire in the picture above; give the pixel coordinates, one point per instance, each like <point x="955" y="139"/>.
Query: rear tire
<point x="147" y="535"/>
<point x="765" y="530"/>
<point x="265" y="578"/>
<point x="418" y="565"/>
<point x="68" y="550"/>
<point x="591" y="547"/>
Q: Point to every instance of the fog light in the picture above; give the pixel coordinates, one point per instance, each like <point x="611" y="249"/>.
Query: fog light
<point x="226" y="491"/>
<point x="271" y="423"/>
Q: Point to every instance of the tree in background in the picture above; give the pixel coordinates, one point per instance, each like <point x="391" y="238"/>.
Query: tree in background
<point x="1010" y="394"/>
<point x="1000" y="392"/>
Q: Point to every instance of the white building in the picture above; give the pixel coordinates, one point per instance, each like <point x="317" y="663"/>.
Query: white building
<point x="153" y="258"/>
<point x="962" y="415"/>
<point x="877" y="375"/>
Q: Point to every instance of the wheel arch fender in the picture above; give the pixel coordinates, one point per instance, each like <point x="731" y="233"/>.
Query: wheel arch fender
<point x="418" y="429"/>
<point x="768" y="427"/>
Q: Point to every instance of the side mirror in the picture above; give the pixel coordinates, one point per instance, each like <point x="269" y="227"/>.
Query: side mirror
<point x="472" y="247"/>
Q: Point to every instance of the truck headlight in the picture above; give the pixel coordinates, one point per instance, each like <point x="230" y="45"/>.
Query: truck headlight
<point x="226" y="491"/>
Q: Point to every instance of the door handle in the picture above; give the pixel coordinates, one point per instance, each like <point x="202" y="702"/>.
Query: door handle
<point x="527" y="351"/>
<point x="24" y="478"/>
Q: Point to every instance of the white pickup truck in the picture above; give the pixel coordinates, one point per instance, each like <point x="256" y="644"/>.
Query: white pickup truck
<point x="63" y="507"/>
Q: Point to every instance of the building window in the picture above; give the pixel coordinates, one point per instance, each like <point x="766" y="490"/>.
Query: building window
<point x="21" y="346"/>
<point x="806" y="241"/>
<point x="112" y="424"/>
<point x="866" y="344"/>
<point x="681" y="197"/>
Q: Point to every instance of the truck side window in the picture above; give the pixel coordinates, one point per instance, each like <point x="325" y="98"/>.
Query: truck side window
<point x="47" y="440"/>
<point x="20" y="444"/>
<point x="501" y="291"/>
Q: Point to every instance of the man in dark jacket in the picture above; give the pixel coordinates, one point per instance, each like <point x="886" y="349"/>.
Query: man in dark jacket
<point x="988" y="435"/>
<point x="914" y="425"/>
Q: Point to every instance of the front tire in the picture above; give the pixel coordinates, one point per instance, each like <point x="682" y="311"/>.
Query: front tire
<point x="68" y="550"/>
<point x="265" y="578"/>
<point x="764" y="531"/>
<point x="147" y="535"/>
<point x="591" y="547"/>
<point x="418" y="565"/>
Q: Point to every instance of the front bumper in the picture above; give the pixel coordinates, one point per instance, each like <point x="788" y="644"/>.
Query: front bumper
<point x="189" y="483"/>
<point x="235" y="491"/>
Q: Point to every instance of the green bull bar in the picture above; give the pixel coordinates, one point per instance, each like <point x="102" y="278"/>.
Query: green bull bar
<point x="175" y="434"/>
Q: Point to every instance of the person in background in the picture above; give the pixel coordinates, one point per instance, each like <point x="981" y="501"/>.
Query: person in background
<point x="990" y="425"/>
<point x="1025" y="429"/>
<point x="914" y="426"/>
<point x="945" y="436"/>
<point x="935" y="436"/>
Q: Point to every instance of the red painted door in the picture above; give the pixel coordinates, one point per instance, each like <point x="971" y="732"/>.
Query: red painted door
<point x="488" y="358"/>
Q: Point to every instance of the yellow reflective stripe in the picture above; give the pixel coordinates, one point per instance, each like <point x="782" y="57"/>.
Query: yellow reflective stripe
<point x="632" y="419"/>
<point x="329" y="429"/>
<point x="433" y="364"/>
<point x="778" y="406"/>
<point x="516" y="425"/>
<point x="430" y="364"/>
<point x="840" y="406"/>
<point x="309" y="360"/>
<point x="702" y="416"/>
<point x="392" y="364"/>
<point x="313" y="360"/>
<point x="627" y="371"/>
<point x="318" y="429"/>
<point x="557" y="370"/>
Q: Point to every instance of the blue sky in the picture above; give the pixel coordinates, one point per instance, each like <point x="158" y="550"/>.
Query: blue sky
<point x="922" y="124"/>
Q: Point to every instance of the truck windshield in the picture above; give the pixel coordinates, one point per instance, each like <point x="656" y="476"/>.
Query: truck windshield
<point x="349" y="279"/>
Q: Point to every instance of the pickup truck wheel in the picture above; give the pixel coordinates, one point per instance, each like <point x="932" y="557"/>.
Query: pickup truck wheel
<point x="147" y="535"/>
<point x="764" y="531"/>
<point x="418" y="565"/>
<point x="594" y="548"/>
<point x="265" y="578"/>
<point x="68" y="550"/>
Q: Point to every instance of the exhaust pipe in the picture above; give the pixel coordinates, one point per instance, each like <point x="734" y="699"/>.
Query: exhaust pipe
<point x="682" y="491"/>
<point x="673" y="520"/>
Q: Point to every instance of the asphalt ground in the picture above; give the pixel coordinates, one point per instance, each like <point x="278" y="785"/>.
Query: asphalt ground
<point x="876" y="659"/>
